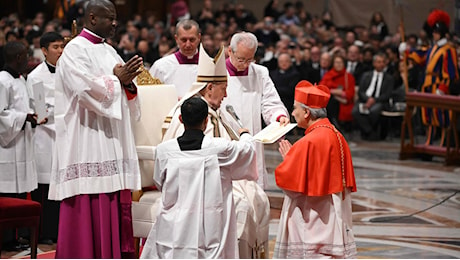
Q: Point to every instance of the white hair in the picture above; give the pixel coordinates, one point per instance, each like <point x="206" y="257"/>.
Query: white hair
<point x="316" y="113"/>
<point x="249" y="40"/>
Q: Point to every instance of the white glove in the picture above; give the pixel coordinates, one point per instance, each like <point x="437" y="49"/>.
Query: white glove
<point x="440" y="92"/>
<point x="402" y="47"/>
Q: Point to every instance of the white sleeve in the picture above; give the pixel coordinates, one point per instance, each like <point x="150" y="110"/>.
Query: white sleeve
<point x="272" y="107"/>
<point x="159" y="171"/>
<point x="98" y="93"/>
<point x="135" y="108"/>
<point x="157" y="70"/>
<point x="11" y="121"/>
<point x="239" y="158"/>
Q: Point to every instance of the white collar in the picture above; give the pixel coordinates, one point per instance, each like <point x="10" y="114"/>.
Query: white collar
<point x="441" y="42"/>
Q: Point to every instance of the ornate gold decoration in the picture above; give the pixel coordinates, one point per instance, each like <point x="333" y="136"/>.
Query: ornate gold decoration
<point x="74" y="29"/>
<point x="73" y="34"/>
<point x="146" y="79"/>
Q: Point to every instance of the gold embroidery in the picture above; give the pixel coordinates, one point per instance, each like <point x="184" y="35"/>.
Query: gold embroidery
<point x="215" y="123"/>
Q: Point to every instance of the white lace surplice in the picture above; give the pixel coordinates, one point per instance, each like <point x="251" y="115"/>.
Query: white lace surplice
<point x="313" y="227"/>
<point x="95" y="150"/>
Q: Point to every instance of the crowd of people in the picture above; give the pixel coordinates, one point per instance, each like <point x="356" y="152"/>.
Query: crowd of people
<point x="82" y="151"/>
<point x="310" y="42"/>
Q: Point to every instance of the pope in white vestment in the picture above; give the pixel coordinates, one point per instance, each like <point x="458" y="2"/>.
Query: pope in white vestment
<point x="251" y="203"/>
<point x="17" y="165"/>
<point x="197" y="217"/>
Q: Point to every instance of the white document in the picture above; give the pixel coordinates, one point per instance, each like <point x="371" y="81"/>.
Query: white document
<point x="39" y="100"/>
<point x="273" y="132"/>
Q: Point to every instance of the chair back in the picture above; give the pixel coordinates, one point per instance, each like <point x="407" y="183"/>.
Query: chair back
<point x="155" y="103"/>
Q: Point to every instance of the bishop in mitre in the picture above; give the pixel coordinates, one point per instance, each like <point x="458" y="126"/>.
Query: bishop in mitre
<point x="251" y="204"/>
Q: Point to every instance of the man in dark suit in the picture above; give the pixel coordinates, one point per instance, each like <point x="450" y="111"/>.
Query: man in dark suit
<point x="354" y="66"/>
<point x="285" y="77"/>
<point x="374" y="91"/>
<point x="310" y="70"/>
<point x="267" y="34"/>
<point x="325" y="63"/>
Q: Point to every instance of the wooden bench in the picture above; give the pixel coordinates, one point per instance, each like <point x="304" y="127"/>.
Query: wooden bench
<point x="411" y="149"/>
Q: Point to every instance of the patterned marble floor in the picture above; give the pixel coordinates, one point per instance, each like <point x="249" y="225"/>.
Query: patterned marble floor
<point x="402" y="209"/>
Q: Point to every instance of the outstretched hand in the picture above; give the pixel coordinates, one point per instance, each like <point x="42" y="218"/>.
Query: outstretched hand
<point x="127" y="72"/>
<point x="242" y="131"/>
<point x="284" y="120"/>
<point x="285" y="146"/>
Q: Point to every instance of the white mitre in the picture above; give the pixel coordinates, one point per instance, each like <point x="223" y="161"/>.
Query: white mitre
<point x="209" y="70"/>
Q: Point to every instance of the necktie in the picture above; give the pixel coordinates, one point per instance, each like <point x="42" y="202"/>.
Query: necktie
<point x="375" y="85"/>
<point x="352" y="67"/>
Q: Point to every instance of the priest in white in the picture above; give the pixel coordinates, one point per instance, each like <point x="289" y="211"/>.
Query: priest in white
<point x="180" y="68"/>
<point x="194" y="173"/>
<point x="251" y="203"/>
<point x="252" y="93"/>
<point x="52" y="45"/>
<point x="95" y="164"/>
<point x="17" y="120"/>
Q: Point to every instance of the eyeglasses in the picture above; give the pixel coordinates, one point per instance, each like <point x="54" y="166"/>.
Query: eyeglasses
<point x="242" y="60"/>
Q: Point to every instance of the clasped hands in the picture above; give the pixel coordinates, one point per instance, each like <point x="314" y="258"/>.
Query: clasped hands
<point x="370" y="102"/>
<point x="128" y="71"/>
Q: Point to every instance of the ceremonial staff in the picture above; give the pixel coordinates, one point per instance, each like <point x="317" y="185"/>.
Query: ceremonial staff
<point x="403" y="39"/>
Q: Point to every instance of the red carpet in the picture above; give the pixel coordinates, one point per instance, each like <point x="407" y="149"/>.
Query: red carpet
<point x="51" y="254"/>
<point x="44" y="255"/>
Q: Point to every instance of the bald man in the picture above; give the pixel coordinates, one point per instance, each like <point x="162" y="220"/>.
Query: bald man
<point x="285" y="77"/>
<point x="96" y="164"/>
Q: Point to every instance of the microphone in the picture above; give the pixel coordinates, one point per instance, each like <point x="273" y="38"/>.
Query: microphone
<point x="232" y="112"/>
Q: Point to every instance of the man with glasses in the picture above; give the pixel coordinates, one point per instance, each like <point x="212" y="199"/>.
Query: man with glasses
<point x="253" y="95"/>
<point x="251" y="92"/>
<point x="317" y="177"/>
